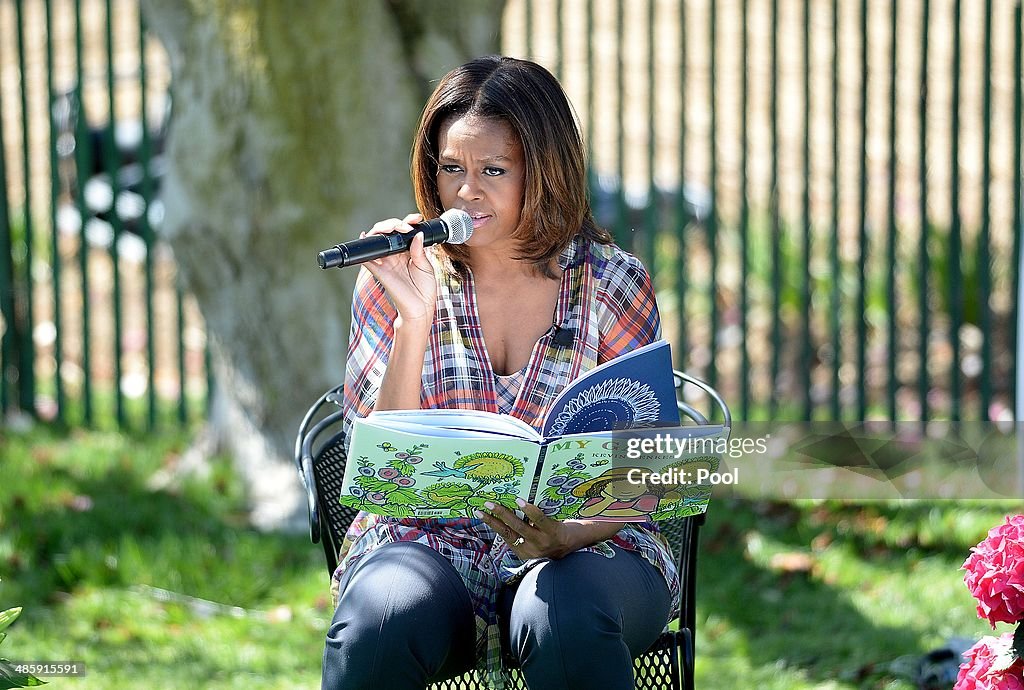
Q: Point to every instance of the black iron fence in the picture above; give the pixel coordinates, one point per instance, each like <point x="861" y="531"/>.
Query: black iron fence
<point x="94" y="327"/>
<point x="828" y="194"/>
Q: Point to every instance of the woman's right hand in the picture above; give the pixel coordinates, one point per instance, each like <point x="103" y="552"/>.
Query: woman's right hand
<point x="408" y="277"/>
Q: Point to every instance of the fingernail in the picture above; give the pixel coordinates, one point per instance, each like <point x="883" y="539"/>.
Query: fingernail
<point x="478" y="515"/>
<point x="488" y="505"/>
<point x="520" y="502"/>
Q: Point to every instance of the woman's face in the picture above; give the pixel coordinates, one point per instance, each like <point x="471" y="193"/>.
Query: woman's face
<point x="481" y="170"/>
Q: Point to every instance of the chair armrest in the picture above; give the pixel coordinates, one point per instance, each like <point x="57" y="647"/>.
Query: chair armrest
<point x="683" y="378"/>
<point x="306" y="468"/>
<point x="330" y="396"/>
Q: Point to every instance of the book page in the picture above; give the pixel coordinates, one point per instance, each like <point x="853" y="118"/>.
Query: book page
<point x="601" y="477"/>
<point x="402" y="470"/>
<point x="408" y="426"/>
<point x="461" y="419"/>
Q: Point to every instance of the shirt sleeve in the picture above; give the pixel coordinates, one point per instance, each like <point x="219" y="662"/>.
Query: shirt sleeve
<point x="628" y="316"/>
<point x="369" y="346"/>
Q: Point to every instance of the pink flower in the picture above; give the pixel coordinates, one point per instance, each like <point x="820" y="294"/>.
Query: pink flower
<point x="995" y="573"/>
<point x="977" y="674"/>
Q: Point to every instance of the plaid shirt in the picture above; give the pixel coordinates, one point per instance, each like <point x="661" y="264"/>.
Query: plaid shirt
<point x="606" y="300"/>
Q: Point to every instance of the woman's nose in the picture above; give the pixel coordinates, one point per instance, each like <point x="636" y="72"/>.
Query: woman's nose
<point x="469" y="190"/>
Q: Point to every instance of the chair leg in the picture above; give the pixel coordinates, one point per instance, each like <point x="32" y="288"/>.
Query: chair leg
<point x="686" y="657"/>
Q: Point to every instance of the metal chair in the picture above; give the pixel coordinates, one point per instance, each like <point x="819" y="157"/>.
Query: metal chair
<point x="320" y="457"/>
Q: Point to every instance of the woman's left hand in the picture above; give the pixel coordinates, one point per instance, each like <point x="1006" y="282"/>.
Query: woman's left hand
<point x="540" y="536"/>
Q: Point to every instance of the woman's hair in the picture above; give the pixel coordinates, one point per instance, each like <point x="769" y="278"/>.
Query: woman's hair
<point x="530" y="100"/>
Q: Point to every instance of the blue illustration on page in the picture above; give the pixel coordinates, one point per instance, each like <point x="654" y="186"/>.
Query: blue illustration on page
<point x="632" y="391"/>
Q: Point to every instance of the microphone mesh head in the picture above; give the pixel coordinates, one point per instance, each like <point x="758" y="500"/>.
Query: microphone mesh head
<point x="459" y="224"/>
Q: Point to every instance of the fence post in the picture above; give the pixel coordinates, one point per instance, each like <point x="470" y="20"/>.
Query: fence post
<point x="23" y="300"/>
<point x="8" y="336"/>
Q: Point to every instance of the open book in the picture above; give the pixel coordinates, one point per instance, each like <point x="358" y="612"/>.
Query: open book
<point x="585" y="465"/>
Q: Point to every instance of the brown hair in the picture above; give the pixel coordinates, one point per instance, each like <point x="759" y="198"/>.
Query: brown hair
<point x="531" y="101"/>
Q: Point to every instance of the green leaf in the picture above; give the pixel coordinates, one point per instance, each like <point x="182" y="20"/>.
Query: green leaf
<point x="551" y="493"/>
<point x="3" y="636"/>
<point x="373" y="484"/>
<point x="9" y="616"/>
<point x="391" y="510"/>
<point x="405" y="497"/>
<point x="451" y="489"/>
<point x="9" y="678"/>
<point x="351" y="502"/>
<point x="1018" y="641"/>
<point x="403" y="467"/>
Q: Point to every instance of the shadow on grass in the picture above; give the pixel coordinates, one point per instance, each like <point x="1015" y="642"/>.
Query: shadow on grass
<point x="78" y="517"/>
<point x="787" y="613"/>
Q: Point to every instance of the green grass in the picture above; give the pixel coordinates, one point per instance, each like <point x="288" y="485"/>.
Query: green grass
<point x="119" y="575"/>
<point x="88" y="549"/>
<point x="830" y="594"/>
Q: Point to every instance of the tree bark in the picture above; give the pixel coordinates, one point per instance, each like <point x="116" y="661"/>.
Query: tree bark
<point x="291" y="129"/>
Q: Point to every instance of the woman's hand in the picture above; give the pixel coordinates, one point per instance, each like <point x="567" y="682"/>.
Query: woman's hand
<point x="540" y="536"/>
<point x="408" y="277"/>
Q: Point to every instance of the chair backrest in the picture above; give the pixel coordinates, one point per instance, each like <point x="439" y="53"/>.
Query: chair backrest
<point x="320" y="456"/>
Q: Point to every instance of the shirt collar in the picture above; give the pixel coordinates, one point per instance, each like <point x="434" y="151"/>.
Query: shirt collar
<point x="572" y="255"/>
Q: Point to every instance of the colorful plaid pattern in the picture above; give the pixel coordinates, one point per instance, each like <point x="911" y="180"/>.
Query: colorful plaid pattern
<point x="506" y="390"/>
<point x="607" y="304"/>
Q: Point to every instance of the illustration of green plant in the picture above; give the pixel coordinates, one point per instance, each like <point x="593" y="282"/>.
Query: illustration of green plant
<point x="489" y="468"/>
<point x="557" y="499"/>
<point x="391" y="489"/>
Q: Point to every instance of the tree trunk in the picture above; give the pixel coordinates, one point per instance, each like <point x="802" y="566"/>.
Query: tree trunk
<point x="291" y="131"/>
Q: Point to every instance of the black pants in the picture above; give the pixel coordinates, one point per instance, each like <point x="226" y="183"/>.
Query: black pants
<point x="405" y="619"/>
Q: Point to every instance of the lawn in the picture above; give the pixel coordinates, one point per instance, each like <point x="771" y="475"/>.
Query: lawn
<point x="167" y="586"/>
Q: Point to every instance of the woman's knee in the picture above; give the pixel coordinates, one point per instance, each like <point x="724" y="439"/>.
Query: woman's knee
<point x="586" y="604"/>
<point x="388" y="600"/>
<point x="554" y="609"/>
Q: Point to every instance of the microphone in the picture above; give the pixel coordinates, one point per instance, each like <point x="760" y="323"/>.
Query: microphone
<point x="454" y="226"/>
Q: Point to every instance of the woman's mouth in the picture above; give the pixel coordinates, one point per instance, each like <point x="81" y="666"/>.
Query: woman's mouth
<point x="479" y="219"/>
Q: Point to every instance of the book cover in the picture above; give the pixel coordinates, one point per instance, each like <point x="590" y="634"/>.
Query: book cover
<point x="631" y="391"/>
<point x="448" y="463"/>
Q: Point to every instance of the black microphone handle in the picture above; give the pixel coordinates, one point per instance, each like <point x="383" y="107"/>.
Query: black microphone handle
<point x="376" y="246"/>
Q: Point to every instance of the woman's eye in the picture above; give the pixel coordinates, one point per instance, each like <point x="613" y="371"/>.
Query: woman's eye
<point x="451" y="169"/>
<point x="493" y="172"/>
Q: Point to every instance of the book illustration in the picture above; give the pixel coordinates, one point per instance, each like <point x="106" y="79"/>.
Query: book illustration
<point x="618" y="403"/>
<point x="391" y="483"/>
<point x="611" y="494"/>
<point x="483" y="468"/>
<point x="575" y="490"/>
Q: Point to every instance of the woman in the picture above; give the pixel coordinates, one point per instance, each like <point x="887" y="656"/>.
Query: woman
<point x="536" y="296"/>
